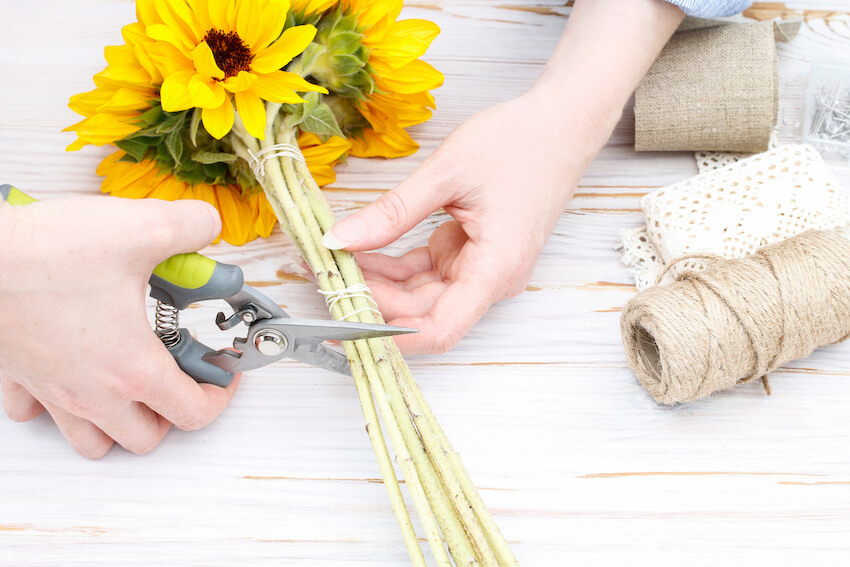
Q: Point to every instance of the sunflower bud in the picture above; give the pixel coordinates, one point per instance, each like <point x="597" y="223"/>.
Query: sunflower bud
<point x="337" y="58"/>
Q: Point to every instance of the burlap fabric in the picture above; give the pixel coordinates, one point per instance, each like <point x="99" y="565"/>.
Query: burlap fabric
<point x="713" y="88"/>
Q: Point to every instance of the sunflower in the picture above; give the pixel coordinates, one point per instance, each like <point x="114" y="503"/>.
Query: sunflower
<point x="124" y="91"/>
<point x="209" y="51"/>
<point x="378" y="86"/>
<point x="245" y="214"/>
<point x="186" y="63"/>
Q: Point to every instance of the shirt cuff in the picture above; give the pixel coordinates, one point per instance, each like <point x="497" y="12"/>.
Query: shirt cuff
<point x="711" y="8"/>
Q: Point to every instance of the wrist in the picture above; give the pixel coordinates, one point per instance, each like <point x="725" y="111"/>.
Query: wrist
<point x="10" y="247"/>
<point x="586" y="117"/>
<point x="7" y="220"/>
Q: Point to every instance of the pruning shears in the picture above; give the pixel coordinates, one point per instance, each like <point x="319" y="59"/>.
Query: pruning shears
<point x="272" y="334"/>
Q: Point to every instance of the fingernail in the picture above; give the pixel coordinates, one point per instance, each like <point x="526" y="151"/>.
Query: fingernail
<point x="344" y="233"/>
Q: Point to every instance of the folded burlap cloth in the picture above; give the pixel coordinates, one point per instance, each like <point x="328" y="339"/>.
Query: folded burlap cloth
<point x="712" y="88"/>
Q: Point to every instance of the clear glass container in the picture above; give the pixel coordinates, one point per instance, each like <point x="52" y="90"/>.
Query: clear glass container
<point x="826" y="108"/>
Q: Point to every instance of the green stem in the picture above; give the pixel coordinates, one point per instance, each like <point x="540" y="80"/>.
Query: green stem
<point x="271" y="182"/>
<point x="443" y="494"/>
<point x="383" y="350"/>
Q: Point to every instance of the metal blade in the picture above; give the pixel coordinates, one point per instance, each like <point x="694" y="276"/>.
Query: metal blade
<point x="322" y="357"/>
<point x="318" y="330"/>
<point x="299" y="339"/>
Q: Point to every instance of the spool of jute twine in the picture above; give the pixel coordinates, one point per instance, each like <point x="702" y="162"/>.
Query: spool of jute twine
<point x="738" y="319"/>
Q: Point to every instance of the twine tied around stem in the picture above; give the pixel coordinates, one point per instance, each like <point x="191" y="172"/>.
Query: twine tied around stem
<point x="739" y="319"/>
<point x="258" y="160"/>
<point x="357" y="290"/>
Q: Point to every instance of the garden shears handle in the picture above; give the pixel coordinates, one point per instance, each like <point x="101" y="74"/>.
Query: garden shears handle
<point x="272" y="334"/>
<point x="179" y="281"/>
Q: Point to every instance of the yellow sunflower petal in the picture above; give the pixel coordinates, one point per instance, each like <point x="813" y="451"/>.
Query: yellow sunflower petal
<point x="87" y="103"/>
<point x="119" y="55"/>
<point x="390" y="144"/>
<point x="175" y="91"/>
<point x="134" y="33"/>
<point x="126" y="100"/>
<point x="280" y="86"/>
<point x="104" y="128"/>
<point x="241" y="82"/>
<point x="322" y="157"/>
<point x="205" y="92"/>
<point x="266" y="219"/>
<point x="177" y="16"/>
<point x="277" y="55"/>
<point x="146" y="63"/>
<point x="414" y="77"/>
<point x="168" y="59"/>
<point x="127" y="179"/>
<point x="403" y="42"/>
<point x="370" y="12"/>
<point x="236" y="215"/>
<point x="169" y="189"/>
<point x="122" y="76"/>
<point x="202" y="14"/>
<point x="248" y="19"/>
<point x="218" y="121"/>
<point x="170" y="35"/>
<point x="146" y="12"/>
<point x="312" y="6"/>
<point x="204" y="60"/>
<point x="271" y="24"/>
<point x="252" y="111"/>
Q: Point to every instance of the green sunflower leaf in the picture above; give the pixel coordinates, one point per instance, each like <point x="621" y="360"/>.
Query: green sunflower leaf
<point x="345" y="43"/>
<point x="174" y="145"/>
<point x="309" y="56"/>
<point x="133" y="148"/>
<point x="193" y="126"/>
<point x="321" y="122"/>
<point x="207" y="157"/>
<point x="152" y="115"/>
<point x="345" y="65"/>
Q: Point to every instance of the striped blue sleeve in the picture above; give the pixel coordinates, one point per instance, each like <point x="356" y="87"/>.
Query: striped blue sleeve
<point x="711" y="8"/>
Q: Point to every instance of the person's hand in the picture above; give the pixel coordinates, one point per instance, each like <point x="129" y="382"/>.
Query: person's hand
<point x="74" y="335"/>
<point x="505" y="176"/>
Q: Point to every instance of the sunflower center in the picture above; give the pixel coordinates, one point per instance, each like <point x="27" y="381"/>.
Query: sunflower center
<point x="230" y="52"/>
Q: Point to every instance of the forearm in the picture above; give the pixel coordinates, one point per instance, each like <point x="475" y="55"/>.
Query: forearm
<point x="606" y="49"/>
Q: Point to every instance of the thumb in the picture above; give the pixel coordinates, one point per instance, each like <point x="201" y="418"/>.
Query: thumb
<point x="389" y="217"/>
<point x="182" y="226"/>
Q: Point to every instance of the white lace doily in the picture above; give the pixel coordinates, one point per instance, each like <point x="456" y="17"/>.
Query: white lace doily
<point x="706" y="161"/>
<point x="733" y="210"/>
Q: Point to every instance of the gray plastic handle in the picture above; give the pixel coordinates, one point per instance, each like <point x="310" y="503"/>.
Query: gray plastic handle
<point x="225" y="282"/>
<point x="189" y="355"/>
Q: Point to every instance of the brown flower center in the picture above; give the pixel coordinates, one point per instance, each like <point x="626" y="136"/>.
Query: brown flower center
<point x="230" y="52"/>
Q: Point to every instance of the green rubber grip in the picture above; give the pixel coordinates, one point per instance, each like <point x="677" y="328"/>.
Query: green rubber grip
<point x="189" y="271"/>
<point x="15" y="196"/>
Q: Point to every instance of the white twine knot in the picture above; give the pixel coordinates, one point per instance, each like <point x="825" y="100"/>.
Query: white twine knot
<point x="357" y="290"/>
<point x="258" y="160"/>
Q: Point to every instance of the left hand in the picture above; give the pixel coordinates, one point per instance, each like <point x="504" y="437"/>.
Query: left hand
<point x="504" y="176"/>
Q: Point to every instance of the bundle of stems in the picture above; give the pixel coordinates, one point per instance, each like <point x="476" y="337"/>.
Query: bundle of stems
<point x="456" y="522"/>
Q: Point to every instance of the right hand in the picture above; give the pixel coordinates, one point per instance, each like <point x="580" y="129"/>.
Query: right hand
<point x="75" y="339"/>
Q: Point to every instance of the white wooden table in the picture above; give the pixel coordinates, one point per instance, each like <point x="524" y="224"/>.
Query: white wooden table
<point x="578" y="465"/>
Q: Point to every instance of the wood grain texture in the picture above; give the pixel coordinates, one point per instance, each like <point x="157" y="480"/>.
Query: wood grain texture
<point x="576" y="462"/>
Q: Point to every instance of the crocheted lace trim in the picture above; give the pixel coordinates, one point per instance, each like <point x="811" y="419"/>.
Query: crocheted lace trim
<point x="737" y="204"/>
